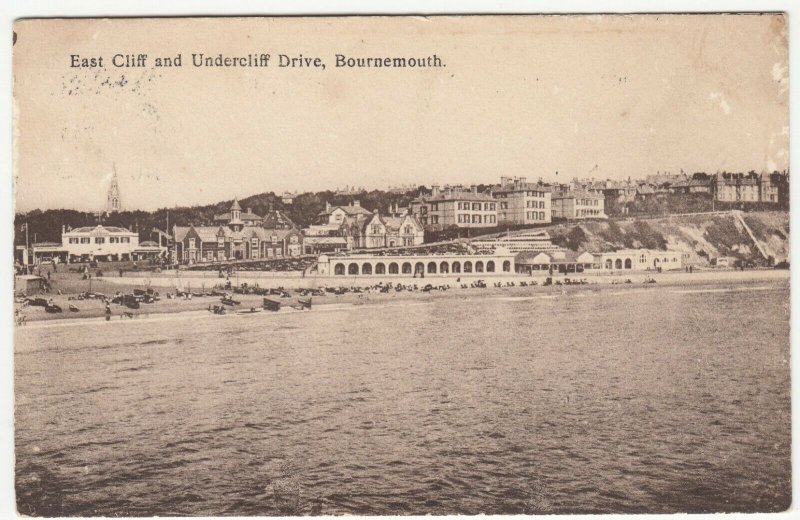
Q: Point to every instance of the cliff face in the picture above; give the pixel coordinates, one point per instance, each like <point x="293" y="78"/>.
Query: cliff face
<point x="702" y="237"/>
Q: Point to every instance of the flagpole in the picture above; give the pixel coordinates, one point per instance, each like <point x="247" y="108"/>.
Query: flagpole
<point x="27" y="248"/>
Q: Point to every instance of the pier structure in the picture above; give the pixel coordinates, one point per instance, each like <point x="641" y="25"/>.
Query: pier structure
<point x="500" y="262"/>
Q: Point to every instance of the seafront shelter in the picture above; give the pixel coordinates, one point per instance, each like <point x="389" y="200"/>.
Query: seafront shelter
<point x="639" y="260"/>
<point x="501" y="262"/>
<point x="555" y="262"/>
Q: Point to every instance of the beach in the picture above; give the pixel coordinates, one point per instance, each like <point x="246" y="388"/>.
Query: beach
<point x="167" y="282"/>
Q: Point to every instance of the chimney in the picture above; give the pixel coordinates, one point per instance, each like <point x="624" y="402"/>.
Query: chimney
<point x="435" y="189"/>
<point x="247" y="210"/>
<point x="503" y="180"/>
<point x="474" y="188"/>
<point x="523" y="180"/>
<point x="63" y="228"/>
<point x="357" y="203"/>
<point x="327" y="207"/>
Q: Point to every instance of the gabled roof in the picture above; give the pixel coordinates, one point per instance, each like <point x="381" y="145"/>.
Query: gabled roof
<point x="99" y="230"/>
<point x="277" y="219"/>
<point x="349" y="210"/>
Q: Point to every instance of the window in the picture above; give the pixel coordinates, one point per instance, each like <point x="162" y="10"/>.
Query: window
<point x="73" y="240"/>
<point x="125" y="240"/>
<point x="293" y="239"/>
<point x="408" y="230"/>
<point x="274" y="239"/>
<point x="254" y="243"/>
<point x="99" y="240"/>
<point x="85" y="240"/>
<point x="476" y="207"/>
<point x="191" y="243"/>
<point x="220" y="241"/>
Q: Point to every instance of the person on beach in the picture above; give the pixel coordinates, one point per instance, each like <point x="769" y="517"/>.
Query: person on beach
<point x="108" y="312"/>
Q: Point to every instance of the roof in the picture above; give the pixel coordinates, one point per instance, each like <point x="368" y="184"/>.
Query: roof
<point x="99" y="230"/>
<point x="550" y="257"/>
<point x="148" y="243"/>
<point x="326" y="240"/>
<point x="277" y="219"/>
<point x="235" y="205"/>
<point x="244" y="215"/>
<point x="350" y="210"/>
<point x="459" y="196"/>
<point x="525" y="186"/>
<point x="574" y="194"/>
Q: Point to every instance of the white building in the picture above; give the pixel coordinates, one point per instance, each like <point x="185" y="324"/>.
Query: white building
<point x="411" y="265"/>
<point x="100" y="243"/>
<point x="639" y="260"/>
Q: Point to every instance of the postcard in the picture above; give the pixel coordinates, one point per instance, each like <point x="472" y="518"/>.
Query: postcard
<point x="401" y="265"/>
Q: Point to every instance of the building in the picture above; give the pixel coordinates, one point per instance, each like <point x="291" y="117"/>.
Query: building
<point x="562" y="262"/>
<point x="456" y="207"/>
<point x="737" y="187"/>
<point x="521" y="202"/>
<point x="235" y="240"/>
<point x="28" y="284"/>
<point x="339" y="214"/>
<point x="236" y="215"/>
<point x="410" y="265"/>
<point x="99" y="243"/>
<point x="578" y="205"/>
<point x="288" y="198"/>
<point x="640" y="260"/>
<point x="518" y="242"/>
<point x="393" y="231"/>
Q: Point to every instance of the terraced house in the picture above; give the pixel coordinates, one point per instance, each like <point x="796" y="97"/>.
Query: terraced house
<point x="456" y="207"/>
<point x="521" y="202"/>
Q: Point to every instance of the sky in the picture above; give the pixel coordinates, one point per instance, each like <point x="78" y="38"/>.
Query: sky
<point x="551" y="97"/>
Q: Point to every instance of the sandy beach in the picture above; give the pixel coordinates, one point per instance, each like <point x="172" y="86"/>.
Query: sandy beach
<point x="165" y="283"/>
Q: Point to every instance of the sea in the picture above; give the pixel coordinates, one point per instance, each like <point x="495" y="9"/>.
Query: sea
<point x="635" y="399"/>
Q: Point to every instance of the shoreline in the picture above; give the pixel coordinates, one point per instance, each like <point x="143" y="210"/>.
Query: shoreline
<point x="95" y="309"/>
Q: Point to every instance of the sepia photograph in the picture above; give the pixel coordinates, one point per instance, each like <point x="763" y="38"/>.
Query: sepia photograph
<point x="401" y="265"/>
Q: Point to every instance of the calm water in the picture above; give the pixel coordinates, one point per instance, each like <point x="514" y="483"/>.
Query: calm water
<point x="610" y="400"/>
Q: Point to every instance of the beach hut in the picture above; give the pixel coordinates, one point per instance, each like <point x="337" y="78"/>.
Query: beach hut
<point x="28" y="284"/>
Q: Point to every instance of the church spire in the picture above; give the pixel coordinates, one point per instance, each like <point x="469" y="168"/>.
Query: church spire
<point x="114" y="202"/>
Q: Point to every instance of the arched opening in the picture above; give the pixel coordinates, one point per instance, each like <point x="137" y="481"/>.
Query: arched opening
<point x="478" y="266"/>
<point x="507" y="266"/>
<point x="352" y="269"/>
<point x="467" y="266"/>
<point x="431" y="267"/>
<point x="490" y="266"/>
<point x="380" y="268"/>
<point x="618" y="263"/>
<point x="338" y="269"/>
<point x="393" y="268"/>
<point x="609" y="264"/>
<point x="628" y="263"/>
<point x="407" y="268"/>
<point x="444" y="267"/>
<point x="366" y="268"/>
<point x="419" y="268"/>
<point x="456" y="267"/>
